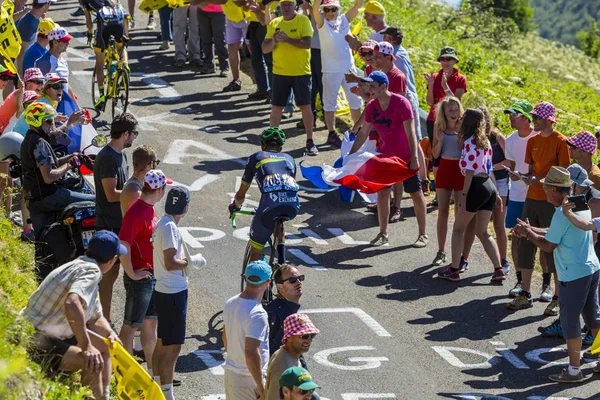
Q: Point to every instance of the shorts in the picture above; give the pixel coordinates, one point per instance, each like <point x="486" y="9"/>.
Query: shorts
<point x="235" y="32"/>
<point x="449" y="176"/>
<point x="239" y="387"/>
<point x="267" y="213"/>
<point x="171" y="310"/>
<point x="482" y="195"/>
<point x="48" y="352"/>
<point x="412" y="184"/>
<point x="539" y="213"/>
<point x="139" y="301"/>
<point x="105" y="31"/>
<point x="283" y="85"/>
<point x="331" y="87"/>
<point x="575" y="298"/>
<point x="514" y="210"/>
<point x="503" y="186"/>
<point x="430" y="124"/>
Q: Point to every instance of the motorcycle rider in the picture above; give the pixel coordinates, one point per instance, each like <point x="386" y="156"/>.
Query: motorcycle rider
<point x="43" y="170"/>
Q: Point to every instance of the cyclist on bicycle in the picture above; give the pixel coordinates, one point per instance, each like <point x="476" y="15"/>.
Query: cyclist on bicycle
<point x="275" y="174"/>
<point x="110" y="21"/>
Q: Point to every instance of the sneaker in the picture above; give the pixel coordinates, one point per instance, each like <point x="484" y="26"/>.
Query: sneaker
<point x="151" y="23"/>
<point x="552" y="308"/>
<point x="380" y="240"/>
<point x="421" y="242"/>
<point x="207" y="70"/>
<point x="464" y="265"/>
<point x="396" y="215"/>
<point x="258" y="95"/>
<point x="552" y="330"/>
<point x="588" y="338"/>
<point x="179" y="63"/>
<point x="498" y="276"/>
<point x="223" y="73"/>
<point x="546" y="294"/>
<point x="132" y="23"/>
<point x="505" y="266"/>
<point x="449" y="274"/>
<point x="101" y="103"/>
<point x="164" y="45"/>
<point x="588" y="354"/>
<point x="516" y="291"/>
<point x="566" y="377"/>
<point x="596" y="368"/>
<point x="196" y="63"/>
<point x="334" y="140"/>
<point x="311" y="149"/>
<point x="234" y="86"/>
<point x="440" y="258"/>
<point x="78" y="12"/>
<point x="521" y="302"/>
<point x="434" y="202"/>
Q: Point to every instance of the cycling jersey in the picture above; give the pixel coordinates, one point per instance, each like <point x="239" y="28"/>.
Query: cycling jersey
<point x="109" y="19"/>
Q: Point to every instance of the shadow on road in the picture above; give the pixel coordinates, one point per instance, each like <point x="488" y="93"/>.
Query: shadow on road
<point x="213" y="340"/>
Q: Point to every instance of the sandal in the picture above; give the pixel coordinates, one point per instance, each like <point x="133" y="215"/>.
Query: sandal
<point x="372" y="208"/>
<point x="396" y="215"/>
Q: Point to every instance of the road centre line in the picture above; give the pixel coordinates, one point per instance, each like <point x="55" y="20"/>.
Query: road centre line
<point x="359" y="313"/>
<point x="306" y="259"/>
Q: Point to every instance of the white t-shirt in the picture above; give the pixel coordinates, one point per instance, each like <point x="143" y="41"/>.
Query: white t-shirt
<point x="515" y="151"/>
<point x="245" y="318"/>
<point x="167" y="236"/>
<point x="376" y="36"/>
<point x="336" y="56"/>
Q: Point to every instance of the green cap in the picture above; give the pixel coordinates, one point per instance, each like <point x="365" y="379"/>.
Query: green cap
<point x="449" y="52"/>
<point x="522" y="107"/>
<point x="298" y="377"/>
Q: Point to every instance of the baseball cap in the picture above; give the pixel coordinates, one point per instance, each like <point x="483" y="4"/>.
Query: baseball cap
<point x="522" y="107"/>
<point x="545" y="110"/>
<point x="258" y="272"/>
<point x="297" y="325"/>
<point x="46" y="25"/>
<point x="377" y="76"/>
<point x="298" y="377"/>
<point x="33" y="74"/>
<point x="374" y="7"/>
<point x="177" y="200"/>
<point x="385" y="48"/>
<point x="448" y="52"/>
<point x="29" y="95"/>
<point x="585" y="141"/>
<point x="51" y="77"/>
<point x="579" y="175"/>
<point x="155" y="179"/>
<point x="106" y="243"/>
<point x="60" y="34"/>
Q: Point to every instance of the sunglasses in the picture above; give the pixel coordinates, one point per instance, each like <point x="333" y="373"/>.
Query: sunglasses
<point x="307" y="336"/>
<point x="305" y="392"/>
<point x="367" y="53"/>
<point x="293" y="279"/>
<point x="446" y="59"/>
<point x="155" y="162"/>
<point x="135" y="134"/>
<point x="5" y="78"/>
<point x="332" y="9"/>
<point x="57" y="86"/>
<point x="536" y="117"/>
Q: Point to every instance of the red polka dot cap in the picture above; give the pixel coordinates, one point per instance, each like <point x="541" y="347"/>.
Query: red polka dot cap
<point x="545" y="110"/>
<point x="585" y="141"/>
<point x="155" y="179"/>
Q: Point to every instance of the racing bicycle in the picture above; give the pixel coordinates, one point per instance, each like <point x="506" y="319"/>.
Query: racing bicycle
<point x="116" y="80"/>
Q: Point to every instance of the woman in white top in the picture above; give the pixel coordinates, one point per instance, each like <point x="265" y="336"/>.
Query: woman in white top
<point x="336" y="59"/>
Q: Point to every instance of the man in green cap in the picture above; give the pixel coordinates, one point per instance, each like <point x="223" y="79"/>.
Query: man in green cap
<point x="296" y="383"/>
<point x="516" y="144"/>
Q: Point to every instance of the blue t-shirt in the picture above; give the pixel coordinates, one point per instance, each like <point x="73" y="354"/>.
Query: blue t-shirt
<point x="574" y="254"/>
<point x="27" y="27"/>
<point x="275" y="172"/>
<point x="34" y="52"/>
<point x="403" y="63"/>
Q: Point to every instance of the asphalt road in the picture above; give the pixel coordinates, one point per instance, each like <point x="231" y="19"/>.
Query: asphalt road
<point x="389" y="329"/>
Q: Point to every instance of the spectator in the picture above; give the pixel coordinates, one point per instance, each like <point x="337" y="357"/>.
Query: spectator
<point x="577" y="265"/>
<point x="299" y="334"/>
<point x="187" y="47"/>
<point x="516" y="144"/>
<point x="545" y="150"/>
<point x="375" y="18"/>
<point x="66" y="305"/>
<point x="34" y="81"/>
<point x="171" y="290"/>
<point x="165" y="14"/>
<point x="246" y="336"/>
<point x="212" y="32"/>
<point x="40" y="47"/>
<point x="110" y="173"/>
<point x="262" y="64"/>
<point x="289" y="282"/>
<point x="136" y="235"/>
<point x="316" y="67"/>
<point x="336" y="60"/>
<point x="479" y="195"/>
<point x="296" y="383"/>
<point x="583" y="147"/>
<point x="143" y="160"/>
<point x="390" y="115"/>
<point x="289" y="37"/>
<point x="28" y="27"/>
<point x="236" y="30"/>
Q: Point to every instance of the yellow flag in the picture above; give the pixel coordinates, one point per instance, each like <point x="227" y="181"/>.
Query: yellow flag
<point x="9" y="35"/>
<point x="596" y="345"/>
<point x="7" y="62"/>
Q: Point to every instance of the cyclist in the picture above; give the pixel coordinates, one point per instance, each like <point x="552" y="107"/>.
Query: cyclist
<point x="275" y="174"/>
<point x="110" y="17"/>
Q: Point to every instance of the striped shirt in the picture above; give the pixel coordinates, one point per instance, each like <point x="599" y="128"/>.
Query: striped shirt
<point x="46" y="307"/>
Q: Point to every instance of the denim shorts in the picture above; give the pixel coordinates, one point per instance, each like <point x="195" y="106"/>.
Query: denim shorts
<point x="139" y="301"/>
<point x="171" y="310"/>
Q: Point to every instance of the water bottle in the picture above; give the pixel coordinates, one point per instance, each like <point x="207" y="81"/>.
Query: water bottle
<point x="111" y="72"/>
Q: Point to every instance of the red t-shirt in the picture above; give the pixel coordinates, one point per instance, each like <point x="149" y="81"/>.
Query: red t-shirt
<point x="137" y="228"/>
<point x="398" y="81"/>
<point x="456" y="81"/>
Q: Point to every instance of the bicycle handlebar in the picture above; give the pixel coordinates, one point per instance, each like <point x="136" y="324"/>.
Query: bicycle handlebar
<point x="243" y="212"/>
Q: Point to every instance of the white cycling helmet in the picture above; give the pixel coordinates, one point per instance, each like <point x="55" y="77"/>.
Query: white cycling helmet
<point x="10" y="145"/>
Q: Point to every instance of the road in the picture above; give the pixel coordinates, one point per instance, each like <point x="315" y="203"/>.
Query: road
<point x="389" y="329"/>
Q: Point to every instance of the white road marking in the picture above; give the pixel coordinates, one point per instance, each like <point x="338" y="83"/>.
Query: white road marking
<point x="446" y="352"/>
<point x="213" y="397"/>
<point x="159" y="119"/>
<point x="168" y="94"/>
<point x="214" y="365"/>
<point x="509" y="355"/>
<point x="180" y="149"/>
<point x="322" y="357"/>
<point x="78" y="55"/>
<point x="344" y="237"/>
<point x="81" y="73"/>
<point x="356" y="396"/>
<point x="194" y="241"/>
<point x="306" y="259"/>
<point x="363" y="316"/>
<point x="199" y="183"/>
<point x="312" y="235"/>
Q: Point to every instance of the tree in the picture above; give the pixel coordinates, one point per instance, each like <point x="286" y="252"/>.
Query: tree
<point x="589" y="41"/>
<point x="517" y="10"/>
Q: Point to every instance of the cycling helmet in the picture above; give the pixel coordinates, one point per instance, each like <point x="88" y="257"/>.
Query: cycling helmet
<point x="10" y="145"/>
<point x="273" y="135"/>
<point x="37" y="112"/>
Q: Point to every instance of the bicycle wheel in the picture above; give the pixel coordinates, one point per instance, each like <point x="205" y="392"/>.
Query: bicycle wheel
<point x="120" y="100"/>
<point x="95" y="94"/>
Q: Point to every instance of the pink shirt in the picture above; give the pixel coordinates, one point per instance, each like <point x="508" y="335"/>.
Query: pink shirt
<point x="7" y="110"/>
<point x="389" y="124"/>
<point x="473" y="159"/>
<point x="212" y="8"/>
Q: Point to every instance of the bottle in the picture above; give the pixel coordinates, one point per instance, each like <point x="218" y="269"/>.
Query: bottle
<point x="111" y="72"/>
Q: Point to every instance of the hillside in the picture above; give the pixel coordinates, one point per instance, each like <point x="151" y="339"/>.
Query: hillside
<point x="560" y="20"/>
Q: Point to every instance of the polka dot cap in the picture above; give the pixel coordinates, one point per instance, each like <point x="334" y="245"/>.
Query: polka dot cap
<point x="155" y="179"/>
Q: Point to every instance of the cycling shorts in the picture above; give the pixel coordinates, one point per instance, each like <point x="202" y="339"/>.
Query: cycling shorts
<point x="270" y="208"/>
<point x="105" y="31"/>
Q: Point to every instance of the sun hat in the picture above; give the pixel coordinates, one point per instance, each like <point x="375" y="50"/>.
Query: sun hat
<point x="369" y="44"/>
<point x="45" y="27"/>
<point x="29" y="95"/>
<point x="448" y="52"/>
<point x="557" y="176"/>
<point x="521" y="107"/>
<point x="377" y="76"/>
<point x="545" y="110"/>
<point x="374" y="7"/>
<point x="178" y="199"/>
<point x="105" y="243"/>
<point x="155" y="179"/>
<point x="33" y="74"/>
<point x="297" y="377"/>
<point x="579" y="175"/>
<point x="297" y="325"/>
<point x="258" y="272"/>
<point x="331" y="3"/>
<point x="60" y="34"/>
<point x="386" y="48"/>
<point x="585" y="141"/>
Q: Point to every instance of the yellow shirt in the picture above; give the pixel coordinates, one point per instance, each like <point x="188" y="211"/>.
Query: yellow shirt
<point x="233" y="12"/>
<point x="290" y="60"/>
